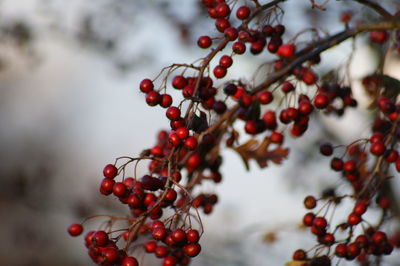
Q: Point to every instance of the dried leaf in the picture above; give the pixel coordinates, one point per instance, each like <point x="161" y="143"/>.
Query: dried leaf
<point x="392" y="86"/>
<point x="270" y="237"/>
<point x="260" y="153"/>
<point x="198" y="123"/>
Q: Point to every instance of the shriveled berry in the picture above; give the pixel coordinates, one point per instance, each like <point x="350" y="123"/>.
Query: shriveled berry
<point x="310" y="202"/>
<point x="326" y="149"/>
<point x="239" y="48"/>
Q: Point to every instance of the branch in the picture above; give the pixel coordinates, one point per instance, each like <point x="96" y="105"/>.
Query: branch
<point x="316" y="48"/>
<point x="376" y="7"/>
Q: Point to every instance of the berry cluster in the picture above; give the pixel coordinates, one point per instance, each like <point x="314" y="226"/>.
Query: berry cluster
<point x="163" y="205"/>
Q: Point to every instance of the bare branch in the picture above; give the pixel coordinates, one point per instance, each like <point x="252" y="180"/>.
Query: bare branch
<point x="376" y="7"/>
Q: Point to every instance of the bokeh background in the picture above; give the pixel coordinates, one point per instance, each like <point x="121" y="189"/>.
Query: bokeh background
<point x="69" y="104"/>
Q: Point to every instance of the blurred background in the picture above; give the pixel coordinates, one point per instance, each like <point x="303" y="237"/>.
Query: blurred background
<point x="70" y="103"/>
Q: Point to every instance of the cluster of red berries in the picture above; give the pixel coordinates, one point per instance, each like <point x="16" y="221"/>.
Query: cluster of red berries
<point x="371" y="242"/>
<point x="177" y="247"/>
<point x="162" y="202"/>
<point x="354" y="166"/>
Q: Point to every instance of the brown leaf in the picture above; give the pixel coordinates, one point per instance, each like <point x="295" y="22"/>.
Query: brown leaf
<point x="270" y="237"/>
<point x="260" y="153"/>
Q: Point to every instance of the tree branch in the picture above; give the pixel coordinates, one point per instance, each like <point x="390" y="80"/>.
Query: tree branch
<point x="376" y="7"/>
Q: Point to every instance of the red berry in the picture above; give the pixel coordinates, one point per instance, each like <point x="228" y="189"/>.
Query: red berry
<point x="360" y="208"/>
<point x="219" y="72"/>
<point x="380" y="36"/>
<point x="153" y="98"/>
<point x="391" y="156"/>
<point x="286" y="50"/>
<point x="159" y="233"/>
<point x="251" y="127"/>
<point x="173" y="113"/>
<point x="194" y="161"/>
<point x="222" y="24"/>
<point x="353" y="219"/>
<point x="106" y="186"/>
<point x="146" y="85"/>
<point x="166" y="100"/>
<point x="379" y="237"/>
<point x="299" y="255"/>
<point x="239" y="48"/>
<point x="341" y="250"/>
<point x="257" y="47"/>
<point x="320" y="222"/>
<point x="321" y="101"/>
<point x="178" y="235"/>
<point x="192" y="236"/>
<point x="171" y="195"/>
<point x="110" y="255"/>
<point x="130" y="261"/>
<point x="150" y="246"/>
<point x="110" y="171"/>
<point x="169" y="261"/>
<point x="276" y="137"/>
<point x="265" y="97"/>
<point x="161" y="251"/>
<point x="383" y="202"/>
<point x="225" y="61"/>
<point x="287" y="87"/>
<point x="349" y="166"/>
<point x="231" y="34"/>
<point x="377" y="148"/>
<point x="100" y="238"/>
<point x="305" y="107"/>
<point x="75" y="229"/>
<point x="279" y="29"/>
<point x="222" y="10"/>
<point x="204" y="42"/>
<point x="182" y="133"/>
<point x="353" y="250"/>
<point x="345" y="16"/>
<point x="191" y="143"/>
<point x="119" y="189"/>
<point x="188" y="91"/>
<point x="308" y="219"/>
<point x="179" y="82"/>
<point x="243" y="12"/>
<point x="192" y="249"/>
<point x="309" y="77"/>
